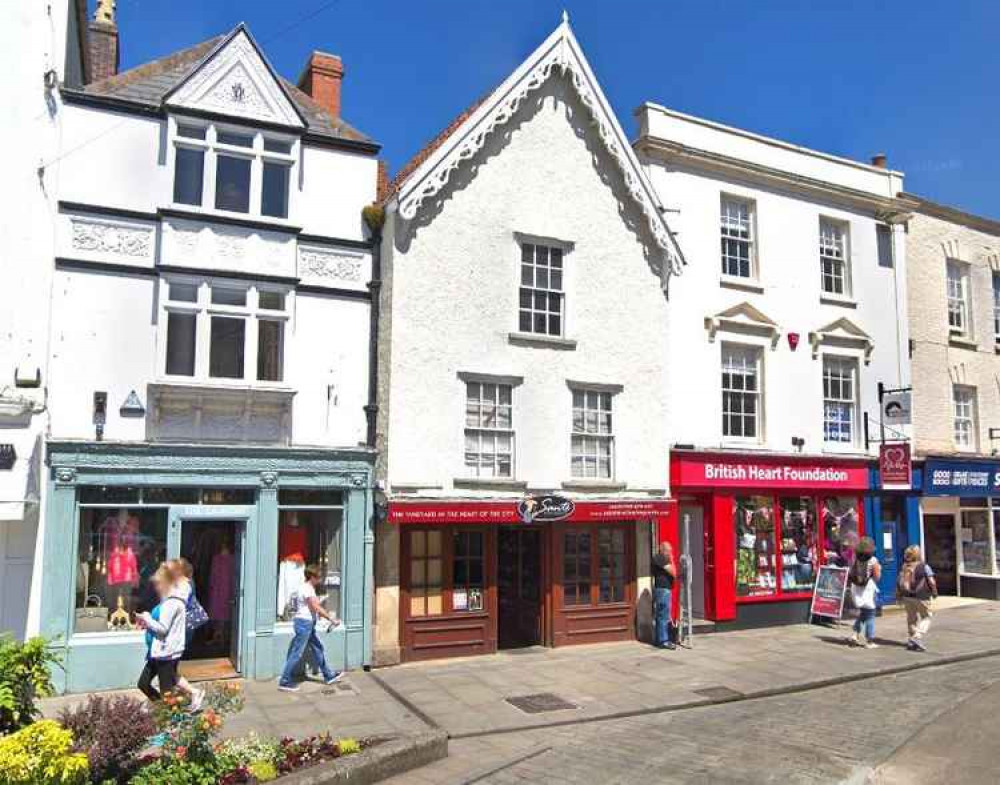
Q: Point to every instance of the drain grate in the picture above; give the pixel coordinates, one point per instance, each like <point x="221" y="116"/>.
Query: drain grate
<point x="718" y="693"/>
<point x="540" y="702"/>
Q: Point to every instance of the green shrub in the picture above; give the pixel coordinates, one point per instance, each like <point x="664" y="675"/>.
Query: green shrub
<point x="41" y="754"/>
<point x="25" y="676"/>
<point x="172" y="771"/>
<point x="349" y="746"/>
<point x="251" y="748"/>
<point x="263" y="770"/>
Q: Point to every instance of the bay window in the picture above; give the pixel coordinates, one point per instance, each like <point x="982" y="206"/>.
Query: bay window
<point x="223" y="330"/>
<point x="236" y="171"/>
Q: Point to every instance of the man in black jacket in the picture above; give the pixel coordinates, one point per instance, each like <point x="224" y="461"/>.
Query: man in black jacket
<point x="664" y="574"/>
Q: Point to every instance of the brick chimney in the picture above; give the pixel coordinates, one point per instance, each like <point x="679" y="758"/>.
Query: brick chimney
<point x="880" y="160"/>
<point x="321" y="79"/>
<point x="382" y="181"/>
<point x="102" y="40"/>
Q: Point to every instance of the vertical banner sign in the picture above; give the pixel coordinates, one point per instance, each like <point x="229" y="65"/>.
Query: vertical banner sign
<point x="894" y="465"/>
<point x="828" y="593"/>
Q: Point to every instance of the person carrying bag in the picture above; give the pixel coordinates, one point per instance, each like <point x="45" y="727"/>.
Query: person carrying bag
<point x="917" y="587"/>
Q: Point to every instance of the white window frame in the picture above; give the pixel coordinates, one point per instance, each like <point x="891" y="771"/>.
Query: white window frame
<point x="592" y="433"/>
<point x="485" y="433"/>
<point x="834" y="253"/>
<point x="212" y="149"/>
<point x="203" y="309"/>
<point x="965" y="417"/>
<point x="959" y="294"/>
<point x="738" y="230"/>
<point x="839" y="371"/>
<point x="996" y="306"/>
<point x="755" y="356"/>
<point x="559" y="292"/>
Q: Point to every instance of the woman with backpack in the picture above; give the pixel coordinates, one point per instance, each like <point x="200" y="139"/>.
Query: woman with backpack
<point x="164" y="627"/>
<point x="917" y="587"/>
<point x="183" y="576"/>
<point x="863" y="577"/>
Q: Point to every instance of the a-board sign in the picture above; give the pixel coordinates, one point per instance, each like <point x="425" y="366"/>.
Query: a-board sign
<point x="828" y="593"/>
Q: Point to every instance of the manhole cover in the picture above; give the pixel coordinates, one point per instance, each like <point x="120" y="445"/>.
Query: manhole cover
<point x="718" y="693"/>
<point x="540" y="702"/>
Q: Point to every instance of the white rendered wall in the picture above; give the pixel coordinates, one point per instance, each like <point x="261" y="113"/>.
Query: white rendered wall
<point x="787" y="230"/>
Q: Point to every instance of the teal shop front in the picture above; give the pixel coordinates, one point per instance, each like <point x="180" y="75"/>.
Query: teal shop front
<point x="247" y="518"/>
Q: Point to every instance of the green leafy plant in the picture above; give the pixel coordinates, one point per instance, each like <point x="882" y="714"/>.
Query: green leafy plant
<point x="42" y="754"/>
<point x="251" y="748"/>
<point x="263" y="771"/>
<point x="349" y="746"/>
<point x="171" y="771"/>
<point x="189" y="737"/>
<point x="111" y="732"/>
<point x="25" y="676"/>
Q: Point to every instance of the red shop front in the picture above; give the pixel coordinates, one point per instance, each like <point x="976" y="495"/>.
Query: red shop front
<point x="760" y="526"/>
<point x="476" y="576"/>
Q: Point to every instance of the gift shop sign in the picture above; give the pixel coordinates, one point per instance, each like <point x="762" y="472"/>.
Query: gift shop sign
<point x="961" y="478"/>
<point x="894" y="466"/>
<point x="724" y="471"/>
<point x="535" y="509"/>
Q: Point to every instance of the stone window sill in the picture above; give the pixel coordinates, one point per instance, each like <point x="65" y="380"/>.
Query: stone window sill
<point x="490" y="483"/>
<point x="542" y="341"/>
<point x="833" y="299"/>
<point x="742" y="284"/>
<point x="593" y="485"/>
<point x="962" y="342"/>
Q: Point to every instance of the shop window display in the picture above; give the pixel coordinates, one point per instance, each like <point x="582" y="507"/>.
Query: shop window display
<point x="119" y="549"/>
<point x="426" y="575"/>
<point x="975" y="540"/>
<point x="309" y="536"/>
<point x="576" y="567"/>
<point x="755" y="547"/>
<point x="611" y="559"/>
<point x="799" y="551"/>
<point x="468" y="571"/>
<point x="840" y="529"/>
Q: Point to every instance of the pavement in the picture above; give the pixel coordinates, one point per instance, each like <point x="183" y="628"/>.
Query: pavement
<point x="630" y="709"/>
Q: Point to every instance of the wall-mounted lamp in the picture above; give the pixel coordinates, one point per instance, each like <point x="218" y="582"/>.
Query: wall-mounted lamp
<point x="100" y="413"/>
<point x="798" y="443"/>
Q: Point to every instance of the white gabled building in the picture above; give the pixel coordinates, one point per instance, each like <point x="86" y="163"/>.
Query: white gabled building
<point x="208" y="369"/>
<point x="792" y="311"/>
<point x="523" y="369"/>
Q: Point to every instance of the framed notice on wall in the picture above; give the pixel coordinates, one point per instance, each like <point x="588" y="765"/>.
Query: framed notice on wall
<point x="828" y="593"/>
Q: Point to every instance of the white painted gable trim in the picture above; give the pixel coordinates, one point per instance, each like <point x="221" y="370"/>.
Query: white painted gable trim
<point x="560" y="51"/>
<point x="236" y="80"/>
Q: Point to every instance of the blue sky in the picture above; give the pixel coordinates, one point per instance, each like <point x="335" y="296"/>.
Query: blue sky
<point x="913" y="78"/>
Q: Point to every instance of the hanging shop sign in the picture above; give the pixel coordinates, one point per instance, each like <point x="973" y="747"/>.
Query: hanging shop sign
<point x="828" y="593"/>
<point x="895" y="466"/>
<point x="747" y="471"/>
<point x="961" y="478"/>
<point x="897" y="408"/>
<point x="544" y="509"/>
<point x="8" y="457"/>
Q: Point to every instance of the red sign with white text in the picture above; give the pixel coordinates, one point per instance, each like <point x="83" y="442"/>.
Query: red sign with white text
<point x="764" y="472"/>
<point x="894" y="465"/>
<point x="542" y="509"/>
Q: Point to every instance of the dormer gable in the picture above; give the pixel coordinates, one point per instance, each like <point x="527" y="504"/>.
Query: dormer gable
<point x="236" y="80"/>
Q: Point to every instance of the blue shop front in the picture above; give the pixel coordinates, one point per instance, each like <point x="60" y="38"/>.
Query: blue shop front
<point x="247" y="518"/>
<point x="961" y="525"/>
<point x="894" y="516"/>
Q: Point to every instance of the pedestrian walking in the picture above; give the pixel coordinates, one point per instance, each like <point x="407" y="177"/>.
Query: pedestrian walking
<point x="164" y="627"/>
<point x="183" y="576"/>
<point x="863" y="577"/>
<point x="306" y="612"/>
<point x="664" y="575"/>
<point x="917" y="586"/>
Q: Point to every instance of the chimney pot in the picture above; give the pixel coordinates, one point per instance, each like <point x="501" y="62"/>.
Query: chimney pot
<point x="321" y="79"/>
<point x="880" y="160"/>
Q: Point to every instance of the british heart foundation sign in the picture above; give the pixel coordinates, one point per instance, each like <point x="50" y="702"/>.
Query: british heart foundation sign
<point x="894" y="466"/>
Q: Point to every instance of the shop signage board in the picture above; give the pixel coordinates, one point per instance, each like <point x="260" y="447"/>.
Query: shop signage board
<point x="746" y="471"/>
<point x="895" y="466"/>
<point x="535" y="509"/>
<point x="828" y="593"/>
<point x="961" y="478"/>
<point x="897" y="408"/>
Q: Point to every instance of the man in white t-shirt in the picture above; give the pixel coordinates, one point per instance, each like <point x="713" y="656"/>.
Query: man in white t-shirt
<point x="306" y="611"/>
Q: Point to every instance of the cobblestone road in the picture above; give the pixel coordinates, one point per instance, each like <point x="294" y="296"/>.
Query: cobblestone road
<point x="829" y="735"/>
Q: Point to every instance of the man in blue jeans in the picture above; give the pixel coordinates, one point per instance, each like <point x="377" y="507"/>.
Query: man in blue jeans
<point x="664" y="574"/>
<point x="306" y="612"/>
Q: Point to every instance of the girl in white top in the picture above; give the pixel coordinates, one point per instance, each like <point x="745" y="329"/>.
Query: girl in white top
<point x="863" y="578"/>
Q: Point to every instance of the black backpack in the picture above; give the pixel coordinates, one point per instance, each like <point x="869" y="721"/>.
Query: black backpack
<point x="861" y="571"/>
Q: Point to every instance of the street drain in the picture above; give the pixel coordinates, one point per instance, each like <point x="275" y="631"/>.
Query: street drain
<point x="718" y="693"/>
<point x="540" y="702"/>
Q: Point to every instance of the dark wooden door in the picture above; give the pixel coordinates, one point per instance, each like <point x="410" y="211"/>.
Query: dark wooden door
<point x="939" y="543"/>
<point x="519" y="587"/>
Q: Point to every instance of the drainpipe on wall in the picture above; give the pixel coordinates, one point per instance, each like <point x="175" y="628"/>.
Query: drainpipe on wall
<point x="374" y="217"/>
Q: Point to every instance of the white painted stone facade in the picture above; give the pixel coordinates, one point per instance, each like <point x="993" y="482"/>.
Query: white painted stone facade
<point x="693" y="163"/>
<point x="941" y="360"/>
<point x="451" y="298"/>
